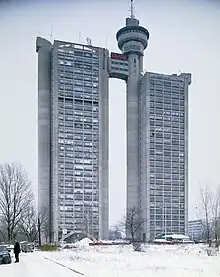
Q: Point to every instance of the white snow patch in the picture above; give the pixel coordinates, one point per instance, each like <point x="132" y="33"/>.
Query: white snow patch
<point x="82" y="244"/>
<point x="157" y="261"/>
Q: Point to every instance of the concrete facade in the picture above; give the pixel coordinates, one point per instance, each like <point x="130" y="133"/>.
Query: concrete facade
<point x="164" y="153"/>
<point x="196" y="230"/>
<point x="44" y="48"/>
<point x="73" y="137"/>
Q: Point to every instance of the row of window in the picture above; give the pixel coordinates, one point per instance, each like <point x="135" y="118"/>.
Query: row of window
<point x="165" y="80"/>
<point x="166" y="170"/>
<point x="85" y="167"/>
<point x="173" y="142"/>
<point x="79" y="64"/>
<point x="170" y="94"/>
<point x="78" y="119"/>
<point x="166" y="101"/>
<point x="166" y="144"/>
<point x="116" y="68"/>
<point x="176" y="127"/>
<point x="165" y="152"/>
<point x="67" y="58"/>
<point x="165" y="117"/>
<point x="68" y="178"/>
<point x="69" y="79"/>
<point x="173" y="176"/>
<point x="168" y="107"/>
<point x="167" y="183"/>
<point x="179" y="191"/>
<point x="79" y="173"/>
<point x="77" y="143"/>
<point x="166" y="166"/>
<point x="72" y="87"/>
<point x="89" y="53"/>
<point x="160" y="125"/>
<point x="160" y="158"/>
<point x="67" y="69"/>
<point x="70" y="124"/>
<point x="83" y="103"/>
<point x="169" y="113"/>
<point x="78" y="94"/>
<point x="80" y="125"/>
<point x="69" y="111"/>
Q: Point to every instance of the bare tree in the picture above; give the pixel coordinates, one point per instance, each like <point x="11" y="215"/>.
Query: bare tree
<point x="215" y="214"/>
<point x="43" y="227"/>
<point x="29" y="223"/>
<point x="115" y="232"/>
<point x="206" y="206"/>
<point x="15" y="197"/>
<point x="133" y="224"/>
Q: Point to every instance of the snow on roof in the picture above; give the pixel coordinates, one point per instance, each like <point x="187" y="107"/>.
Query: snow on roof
<point x="176" y="236"/>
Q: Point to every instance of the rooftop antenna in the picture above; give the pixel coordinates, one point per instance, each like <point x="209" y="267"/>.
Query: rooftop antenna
<point x="132" y="9"/>
<point x="106" y="42"/>
<point x="89" y="41"/>
<point x="51" y="34"/>
<point x="80" y="36"/>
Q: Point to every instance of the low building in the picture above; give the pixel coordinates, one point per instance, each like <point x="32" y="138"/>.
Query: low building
<point x="196" y="229"/>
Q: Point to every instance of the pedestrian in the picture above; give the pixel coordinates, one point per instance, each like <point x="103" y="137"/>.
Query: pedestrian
<point x="17" y="250"/>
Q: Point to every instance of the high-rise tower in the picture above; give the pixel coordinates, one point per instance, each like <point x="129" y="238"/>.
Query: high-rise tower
<point x="73" y="138"/>
<point x="132" y="41"/>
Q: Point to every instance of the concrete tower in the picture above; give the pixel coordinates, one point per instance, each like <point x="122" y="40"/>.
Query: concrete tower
<point x="132" y="41"/>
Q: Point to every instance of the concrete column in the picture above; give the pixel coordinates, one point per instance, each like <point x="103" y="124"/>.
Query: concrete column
<point x="133" y="131"/>
<point x="43" y="47"/>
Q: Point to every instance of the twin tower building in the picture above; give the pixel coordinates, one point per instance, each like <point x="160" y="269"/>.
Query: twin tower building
<point x="73" y="137"/>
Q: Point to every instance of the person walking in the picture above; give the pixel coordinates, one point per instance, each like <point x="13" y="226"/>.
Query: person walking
<point x="17" y="250"/>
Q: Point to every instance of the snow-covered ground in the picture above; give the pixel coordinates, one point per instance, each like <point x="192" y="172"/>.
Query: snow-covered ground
<point x="157" y="261"/>
<point x="117" y="261"/>
<point x="33" y="264"/>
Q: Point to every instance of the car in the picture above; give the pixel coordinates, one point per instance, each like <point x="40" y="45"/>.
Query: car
<point x="27" y="247"/>
<point x="172" y="239"/>
<point x="5" y="257"/>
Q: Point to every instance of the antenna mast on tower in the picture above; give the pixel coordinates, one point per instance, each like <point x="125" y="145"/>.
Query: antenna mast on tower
<point x="51" y="34"/>
<point x="132" y="9"/>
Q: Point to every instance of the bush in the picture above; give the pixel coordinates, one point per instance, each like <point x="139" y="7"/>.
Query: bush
<point x="211" y="251"/>
<point x="49" y="247"/>
<point x="138" y="247"/>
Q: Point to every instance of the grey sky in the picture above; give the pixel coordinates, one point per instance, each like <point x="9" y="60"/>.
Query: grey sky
<point x="183" y="37"/>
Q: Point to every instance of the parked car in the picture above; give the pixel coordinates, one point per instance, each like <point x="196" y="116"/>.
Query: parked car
<point x="5" y="257"/>
<point x="27" y="247"/>
<point x="173" y="239"/>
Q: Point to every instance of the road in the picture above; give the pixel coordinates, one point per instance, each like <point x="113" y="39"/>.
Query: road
<point x="33" y="264"/>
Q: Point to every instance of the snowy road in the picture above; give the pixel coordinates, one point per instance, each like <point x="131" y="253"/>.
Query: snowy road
<point x="33" y="264"/>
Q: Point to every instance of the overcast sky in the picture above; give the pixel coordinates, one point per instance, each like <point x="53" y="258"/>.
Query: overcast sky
<point x="183" y="37"/>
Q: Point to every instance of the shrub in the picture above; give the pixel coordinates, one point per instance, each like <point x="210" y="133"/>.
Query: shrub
<point x="49" y="247"/>
<point x="138" y="247"/>
<point x="211" y="251"/>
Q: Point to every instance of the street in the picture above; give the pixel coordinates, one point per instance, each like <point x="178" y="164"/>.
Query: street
<point x="33" y="264"/>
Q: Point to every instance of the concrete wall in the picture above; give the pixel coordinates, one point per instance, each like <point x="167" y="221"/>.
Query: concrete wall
<point x="43" y="47"/>
<point x="144" y="131"/>
<point x="133" y="132"/>
<point x="187" y="78"/>
<point x="54" y="144"/>
<point x="103" y="146"/>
